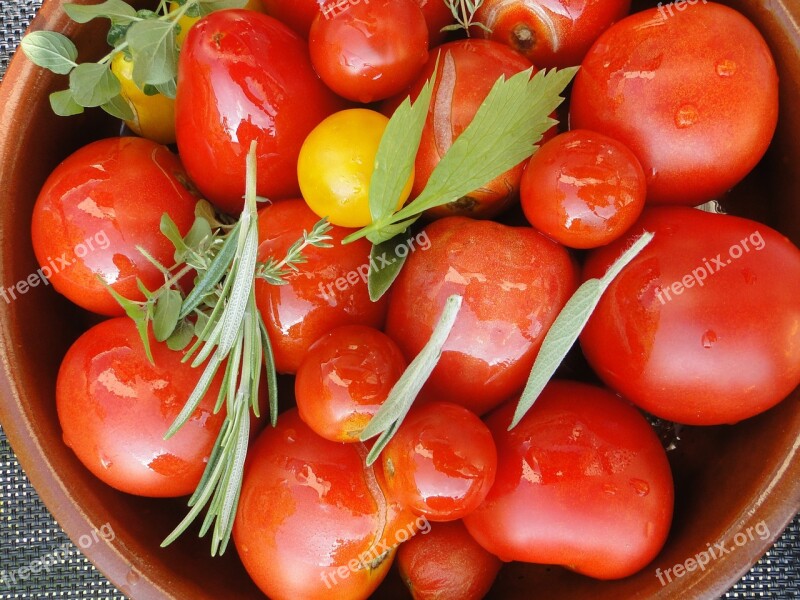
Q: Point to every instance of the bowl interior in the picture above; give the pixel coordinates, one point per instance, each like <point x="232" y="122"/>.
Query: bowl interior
<point x="727" y="478"/>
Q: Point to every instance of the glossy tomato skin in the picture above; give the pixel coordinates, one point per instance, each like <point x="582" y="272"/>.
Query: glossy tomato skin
<point x="583" y="189"/>
<point x="467" y="71"/>
<point x="442" y="461"/>
<point x="514" y="281"/>
<point x="328" y="291"/>
<point x="550" y="33"/>
<point x="115" y="407"/>
<point x="96" y="207"/>
<point x="437" y="16"/>
<point x="371" y="50"/>
<point x="674" y="89"/>
<point x="583" y="482"/>
<point x="447" y="563"/>
<point x="312" y="514"/>
<point x="344" y="379"/>
<point x="701" y="327"/>
<point x="297" y="14"/>
<point x="243" y="77"/>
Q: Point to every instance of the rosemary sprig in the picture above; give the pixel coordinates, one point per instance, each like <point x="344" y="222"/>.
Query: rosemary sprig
<point x="464" y="14"/>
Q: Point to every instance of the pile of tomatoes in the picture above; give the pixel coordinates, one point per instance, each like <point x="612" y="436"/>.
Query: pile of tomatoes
<point x="669" y="110"/>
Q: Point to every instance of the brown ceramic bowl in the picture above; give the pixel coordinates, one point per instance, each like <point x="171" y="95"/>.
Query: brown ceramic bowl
<point x="727" y="478"/>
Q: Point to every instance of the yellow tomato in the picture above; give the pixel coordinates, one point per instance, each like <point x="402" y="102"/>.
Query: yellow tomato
<point x="336" y="163"/>
<point x="186" y="22"/>
<point x="153" y="116"/>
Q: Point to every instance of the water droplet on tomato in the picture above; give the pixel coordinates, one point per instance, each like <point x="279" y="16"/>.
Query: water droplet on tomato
<point x="686" y="116"/>
<point x="610" y="489"/>
<point x="105" y="461"/>
<point x="726" y="68"/>
<point x="642" y="488"/>
<point x="709" y="338"/>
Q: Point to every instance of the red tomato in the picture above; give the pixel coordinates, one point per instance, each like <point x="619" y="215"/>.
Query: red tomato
<point x="437" y="16"/>
<point x="371" y="50"/>
<point x="551" y="33"/>
<point x="441" y="462"/>
<point x="447" y="564"/>
<point x="701" y="328"/>
<point x="96" y="208"/>
<point x="244" y="76"/>
<point x="313" y="521"/>
<point x="115" y="407"/>
<point x="582" y="482"/>
<point x="694" y="94"/>
<point x="514" y="282"/>
<point x="344" y="379"/>
<point x="298" y="14"/>
<point x="467" y="71"/>
<point x="583" y="189"/>
<point x="328" y="291"/>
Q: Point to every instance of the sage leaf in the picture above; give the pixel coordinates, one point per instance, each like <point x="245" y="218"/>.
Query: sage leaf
<point x="385" y="263"/>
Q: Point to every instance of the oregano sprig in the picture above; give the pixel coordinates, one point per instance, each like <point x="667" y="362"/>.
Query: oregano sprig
<point x="464" y="14"/>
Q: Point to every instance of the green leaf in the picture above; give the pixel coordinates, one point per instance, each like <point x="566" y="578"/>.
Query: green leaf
<point x="116" y="34"/>
<point x="402" y="395"/>
<point x="64" y="105"/>
<point x="181" y="337"/>
<point x="137" y="313"/>
<point x="216" y="271"/>
<point x="168" y="88"/>
<point x="118" y="11"/>
<point x="385" y="265"/>
<point x="567" y="327"/>
<point x="93" y="84"/>
<point x="199" y="235"/>
<point x="397" y="151"/>
<point x="165" y="316"/>
<point x="50" y="50"/>
<point x="208" y="6"/>
<point x="118" y="107"/>
<point x="154" y="51"/>
<point x="170" y="230"/>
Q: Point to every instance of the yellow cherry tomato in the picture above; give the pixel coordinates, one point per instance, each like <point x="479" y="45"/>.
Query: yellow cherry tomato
<point x="336" y="163"/>
<point x="186" y="22"/>
<point x="153" y="116"/>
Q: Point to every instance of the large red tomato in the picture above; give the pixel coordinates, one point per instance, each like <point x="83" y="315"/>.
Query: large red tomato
<point x="691" y="89"/>
<point x="329" y="290"/>
<point x="582" y="482"/>
<point x="298" y="14"/>
<point x="115" y="407"/>
<point x="245" y="77"/>
<point x="96" y="208"/>
<point x="514" y="282"/>
<point x="702" y="327"/>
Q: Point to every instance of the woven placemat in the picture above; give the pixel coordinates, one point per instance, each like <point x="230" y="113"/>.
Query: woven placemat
<point x="28" y="532"/>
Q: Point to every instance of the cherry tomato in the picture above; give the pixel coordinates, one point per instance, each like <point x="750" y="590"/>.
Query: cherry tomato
<point x="97" y="207"/>
<point x="115" y="407"/>
<point x="154" y="115"/>
<point x="583" y="482"/>
<point x="299" y="14"/>
<point x="313" y="521"/>
<point x="245" y="77"/>
<point x="330" y="289"/>
<point x="701" y="328"/>
<point x="441" y="462"/>
<point x="344" y="379"/>
<point x="694" y="94"/>
<point x="437" y="16"/>
<point x="583" y="189"/>
<point x="514" y="282"/>
<point x="336" y="163"/>
<point x="370" y="50"/>
<point x="186" y="22"/>
<point x="447" y="564"/>
<point x="467" y="71"/>
<point x="550" y="33"/>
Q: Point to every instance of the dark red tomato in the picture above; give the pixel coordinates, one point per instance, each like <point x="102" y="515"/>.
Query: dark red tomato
<point x="115" y="407"/>
<point x="246" y="77"/>
<point x="447" y="564"/>
<point x="328" y="291"/>
<point x="96" y="208"/>
<point x="299" y="14"/>
<point x="550" y="33"/>
<point x="370" y="50"/>
<point x="437" y="16"/>
<point x="583" y="482"/>
<point x="344" y="379"/>
<point x="691" y="89"/>
<point x="467" y="71"/>
<point x="583" y="189"/>
<point x="514" y="282"/>
<point x="313" y="521"/>
<point x="701" y="328"/>
<point x="441" y="462"/>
